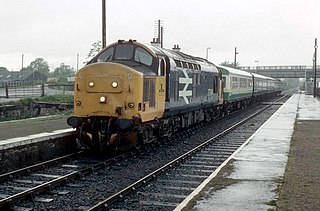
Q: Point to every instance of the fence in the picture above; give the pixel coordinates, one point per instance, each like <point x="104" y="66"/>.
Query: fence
<point x="34" y="90"/>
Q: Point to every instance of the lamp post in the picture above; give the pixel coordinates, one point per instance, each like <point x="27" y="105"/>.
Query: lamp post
<point x="207" y="52"/>
<point x="235" y="57"/>
<point x="257" y="65"/>
<point x="104" y="39"/>
<point x="315" y="68"/>
<point x="22" y="61"/>
<point x="77" y="61"/>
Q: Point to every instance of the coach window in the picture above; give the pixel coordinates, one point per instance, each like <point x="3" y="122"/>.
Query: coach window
<point x="106" y="55"/>
<point x="143" y="56"/>
<point x="124" y="52"/>
<point x="234" y="82"/>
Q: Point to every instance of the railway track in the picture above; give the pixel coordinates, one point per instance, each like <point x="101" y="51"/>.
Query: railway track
<point x="94" y="179"/>
<point x="29" y="181"/>
<point x="173" y="182"/>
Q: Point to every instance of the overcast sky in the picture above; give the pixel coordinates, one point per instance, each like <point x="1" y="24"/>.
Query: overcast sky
<point x="273" y="32"/>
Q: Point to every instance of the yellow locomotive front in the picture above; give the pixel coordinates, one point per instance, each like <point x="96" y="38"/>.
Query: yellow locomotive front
<point x="115" y="94"/>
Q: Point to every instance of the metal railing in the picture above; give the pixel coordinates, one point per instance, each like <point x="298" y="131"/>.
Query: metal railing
<point x="283" y="67"/>
<point x="25" y="91"/>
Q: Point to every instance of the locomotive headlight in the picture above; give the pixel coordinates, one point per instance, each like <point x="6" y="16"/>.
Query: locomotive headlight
<point x="114" y="84"/>
<point x="91" y="84"/>
<point x="102" y="99"/>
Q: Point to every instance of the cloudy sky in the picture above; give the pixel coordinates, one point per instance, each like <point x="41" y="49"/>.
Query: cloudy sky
<point x="273" y="32"/>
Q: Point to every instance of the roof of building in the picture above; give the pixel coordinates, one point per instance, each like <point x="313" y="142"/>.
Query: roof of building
<point x="16" y="76"/>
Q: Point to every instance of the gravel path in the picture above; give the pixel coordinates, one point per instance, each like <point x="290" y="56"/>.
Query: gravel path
<point x="301" y="185"/>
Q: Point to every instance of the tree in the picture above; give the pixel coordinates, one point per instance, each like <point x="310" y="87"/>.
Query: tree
<point x="63" y="71"/>
<point x="27" y="69"/>
<point x="96" y="48"/>
<point x="40" y="65"/>
<point x="230" y="64"/>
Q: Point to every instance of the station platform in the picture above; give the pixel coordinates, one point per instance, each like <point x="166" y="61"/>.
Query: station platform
<point x="250" y="181"/>
<point x="31" y="126"/>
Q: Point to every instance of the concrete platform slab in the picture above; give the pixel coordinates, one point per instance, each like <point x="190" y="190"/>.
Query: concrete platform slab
<point x="309" y="108"/>
<point x="232" y="198"/>
<point x="257" y="167"/>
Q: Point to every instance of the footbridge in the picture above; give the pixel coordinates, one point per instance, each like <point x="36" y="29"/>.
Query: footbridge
<point x="297" y="71"/>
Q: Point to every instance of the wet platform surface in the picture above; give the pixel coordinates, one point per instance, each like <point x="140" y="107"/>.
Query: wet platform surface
<point x="257" y="167"/>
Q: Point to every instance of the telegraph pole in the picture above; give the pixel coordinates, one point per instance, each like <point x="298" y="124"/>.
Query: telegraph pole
<point x="77" y="61"/>
<point x="315" y="68"/>
<point x="104" y="42"/>
<point x="158" y="40"/>
<point x="235" y="57"/>
<point x="207" y="54"/>
<point x="161" y="37"/>
<point x="22" y="62"/>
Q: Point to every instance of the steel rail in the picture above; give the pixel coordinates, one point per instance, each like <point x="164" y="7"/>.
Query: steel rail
<point x="37" y="166"/>
<point x="7" y="202"/>
<point x="115" y="197"/>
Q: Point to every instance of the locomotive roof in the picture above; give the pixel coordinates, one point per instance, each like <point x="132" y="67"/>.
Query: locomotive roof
<point x="177" y="55"/>
<point x="180" y="56"/>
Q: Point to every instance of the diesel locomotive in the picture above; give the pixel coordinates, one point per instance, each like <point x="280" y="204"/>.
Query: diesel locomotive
<point x="132" y="93"/>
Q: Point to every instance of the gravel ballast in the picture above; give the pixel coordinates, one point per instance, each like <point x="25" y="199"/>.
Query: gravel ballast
<point x="301" y="184"/>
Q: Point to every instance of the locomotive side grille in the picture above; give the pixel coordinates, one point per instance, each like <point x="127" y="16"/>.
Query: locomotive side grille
<point x="149" y="91"/>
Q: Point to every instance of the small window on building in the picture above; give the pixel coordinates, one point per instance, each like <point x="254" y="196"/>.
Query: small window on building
<point x="195" y="66"/>
<point x="190" y="66"/>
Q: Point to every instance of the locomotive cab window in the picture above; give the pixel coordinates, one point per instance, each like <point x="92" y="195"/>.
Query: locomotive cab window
<point x="142" y="56"/>
<point x="106" y="55"/>
<point x="124" y="52"/>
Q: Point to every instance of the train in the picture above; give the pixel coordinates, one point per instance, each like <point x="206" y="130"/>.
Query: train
<point x="132" y="93"/>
